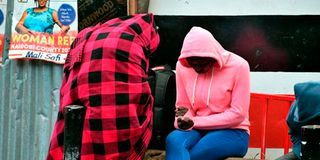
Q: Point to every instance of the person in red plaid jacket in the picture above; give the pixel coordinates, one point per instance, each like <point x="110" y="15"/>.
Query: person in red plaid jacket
<point x="106" y="71"/>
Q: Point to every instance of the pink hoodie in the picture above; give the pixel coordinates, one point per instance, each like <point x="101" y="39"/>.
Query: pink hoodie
<point x="220" y="98"/>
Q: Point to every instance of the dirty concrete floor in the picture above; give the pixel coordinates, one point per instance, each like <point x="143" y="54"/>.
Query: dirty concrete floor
<point x="155" y="155"/>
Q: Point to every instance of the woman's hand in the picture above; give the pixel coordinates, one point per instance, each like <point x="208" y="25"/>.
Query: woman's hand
<point x="64" y="29"/>
<point x="185" y="123"/>
<point x="181" y="111"/>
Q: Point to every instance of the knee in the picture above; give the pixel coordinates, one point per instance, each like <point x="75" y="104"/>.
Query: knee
<point x="173" y="138"/>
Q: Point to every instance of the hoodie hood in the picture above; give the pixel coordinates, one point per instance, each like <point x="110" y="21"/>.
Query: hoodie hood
<point x="201" y="43"/>
<point x="304" y="111"/>
<point x="307" y="100"/>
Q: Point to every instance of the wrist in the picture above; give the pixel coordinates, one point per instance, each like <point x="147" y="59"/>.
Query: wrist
<point x="194" y="119"/>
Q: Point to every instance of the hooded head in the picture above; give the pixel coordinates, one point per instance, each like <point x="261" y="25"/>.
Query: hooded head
<point x="141" y="25"/>
<point x="200" y="43"/>
<point x="307" y="100"/>
<point x="304" y="111"/>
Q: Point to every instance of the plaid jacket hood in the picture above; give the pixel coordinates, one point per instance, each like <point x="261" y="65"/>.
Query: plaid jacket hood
<point x="106" y="72"/>
<point x="141" y="25"/>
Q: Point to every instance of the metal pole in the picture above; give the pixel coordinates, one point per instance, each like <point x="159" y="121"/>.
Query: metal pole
<point x="74" y="118"/>
<point x="132" y="7"/>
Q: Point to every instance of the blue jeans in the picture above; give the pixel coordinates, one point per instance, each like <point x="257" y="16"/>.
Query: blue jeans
<point x="206" y="145"/>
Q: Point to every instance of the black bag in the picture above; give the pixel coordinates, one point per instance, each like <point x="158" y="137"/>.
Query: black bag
<point x="162" y="81"/>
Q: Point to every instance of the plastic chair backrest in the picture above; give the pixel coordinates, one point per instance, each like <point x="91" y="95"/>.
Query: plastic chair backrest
<point x="267" y="116"/>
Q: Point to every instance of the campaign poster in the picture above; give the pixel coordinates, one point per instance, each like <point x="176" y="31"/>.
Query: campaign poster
<point x="3" y="10"/>
<point x="43" y="29"/>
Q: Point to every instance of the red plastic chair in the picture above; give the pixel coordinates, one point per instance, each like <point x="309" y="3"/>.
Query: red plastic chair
<point x="268" y="128"/>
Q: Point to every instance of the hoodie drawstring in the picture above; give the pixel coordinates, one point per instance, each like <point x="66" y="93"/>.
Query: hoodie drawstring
<point x="194" y="88"/>
<point x="209" y="90"/>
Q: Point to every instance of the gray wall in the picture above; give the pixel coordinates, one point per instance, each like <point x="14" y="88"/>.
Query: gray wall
<point x="29" y="99"/>
<point x="28" y="107"/>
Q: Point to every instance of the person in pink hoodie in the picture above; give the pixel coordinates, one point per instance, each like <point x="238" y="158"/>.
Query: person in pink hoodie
<point x="213" y="96"/>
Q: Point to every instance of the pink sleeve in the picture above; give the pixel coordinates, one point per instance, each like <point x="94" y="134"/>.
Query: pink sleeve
<point x="239" y="106"/>
<point x="182" y="98"/>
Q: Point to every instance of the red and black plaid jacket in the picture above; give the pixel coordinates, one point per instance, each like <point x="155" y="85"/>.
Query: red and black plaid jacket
<point x="106" y="72"/>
